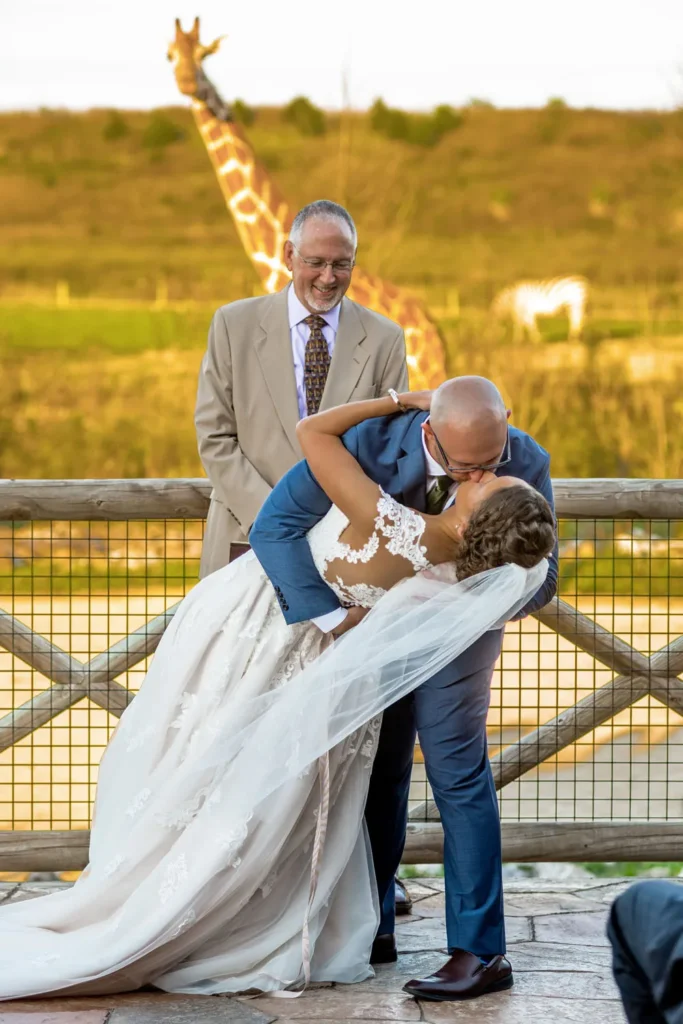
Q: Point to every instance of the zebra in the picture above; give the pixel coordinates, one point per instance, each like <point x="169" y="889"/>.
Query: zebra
<point x="523" y="302"/>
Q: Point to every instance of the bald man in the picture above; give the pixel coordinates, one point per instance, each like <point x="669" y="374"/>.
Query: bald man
<point x="420" y="458"/>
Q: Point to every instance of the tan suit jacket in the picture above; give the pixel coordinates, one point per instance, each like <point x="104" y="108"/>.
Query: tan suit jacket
<point x="247" y="410"/>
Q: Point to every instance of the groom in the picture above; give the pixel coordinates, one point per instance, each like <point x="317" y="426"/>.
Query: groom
<point x="420" y="458"/>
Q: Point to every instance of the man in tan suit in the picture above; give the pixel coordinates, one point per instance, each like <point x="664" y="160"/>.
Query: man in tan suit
<point x="274" y="359"/>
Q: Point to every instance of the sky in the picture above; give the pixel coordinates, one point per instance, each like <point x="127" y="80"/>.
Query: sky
<point x="624" y="54"/>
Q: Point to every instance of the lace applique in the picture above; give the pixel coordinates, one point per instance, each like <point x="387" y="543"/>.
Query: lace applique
<point x="269" y="883"/>
<point x="214" y="800"/>
<point x="138" y="740"/>
<point x="251" y="631"/>
<point x="355" y="555"/>
<point x="138" y="802"/>
<point x="326" y="546"/>
<point x="185" y="813"/>
<point x="401" y="527"/>
<point x="232" y="841"/>
<point x="113" y="866"/>
<point x="404" y="533"/>
<point x="185" y="922"/>
<point x="187" y="702"/>
<point x="175" y="875"/>
<point x="363" y="594"/>
<point x="369" y="747"/>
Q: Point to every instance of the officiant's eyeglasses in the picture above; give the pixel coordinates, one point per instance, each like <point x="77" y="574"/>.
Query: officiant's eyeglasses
<point x="338" y="266"/>
<point x="505" y="457"/>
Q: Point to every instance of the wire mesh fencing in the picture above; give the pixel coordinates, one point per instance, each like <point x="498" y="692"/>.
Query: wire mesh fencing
<point x="71" y="589"/>
<point x="626" y="763"/>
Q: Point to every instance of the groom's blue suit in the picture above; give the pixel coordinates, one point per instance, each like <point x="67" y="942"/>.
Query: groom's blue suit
<point x="448" y="712"/>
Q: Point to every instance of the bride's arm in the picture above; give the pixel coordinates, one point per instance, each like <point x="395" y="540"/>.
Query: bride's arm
<point x="338" y="473"/>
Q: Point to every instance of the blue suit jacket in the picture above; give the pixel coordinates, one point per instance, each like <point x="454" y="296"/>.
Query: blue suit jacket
<point x="390" y="451"/>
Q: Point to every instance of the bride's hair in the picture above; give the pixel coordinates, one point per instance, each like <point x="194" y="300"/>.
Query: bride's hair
<point x="515" y="524"/>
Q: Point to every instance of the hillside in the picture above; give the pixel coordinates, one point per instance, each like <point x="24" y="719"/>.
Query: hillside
<point x="509" y="193"/>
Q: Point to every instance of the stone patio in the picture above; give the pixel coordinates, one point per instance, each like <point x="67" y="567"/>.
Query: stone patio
<point x="556" y="942"/>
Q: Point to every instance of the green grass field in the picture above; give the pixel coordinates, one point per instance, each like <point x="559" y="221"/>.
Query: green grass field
<point x="107" y="393"/>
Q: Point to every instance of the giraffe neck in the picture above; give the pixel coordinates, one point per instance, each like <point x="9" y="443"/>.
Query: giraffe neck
<point x="261" y="215"/>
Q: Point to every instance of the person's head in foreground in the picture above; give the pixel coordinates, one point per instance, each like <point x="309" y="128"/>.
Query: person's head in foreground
<point x="495" y="519"/>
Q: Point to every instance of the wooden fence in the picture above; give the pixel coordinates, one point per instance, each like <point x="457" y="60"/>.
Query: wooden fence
<point x="635" y="674"/>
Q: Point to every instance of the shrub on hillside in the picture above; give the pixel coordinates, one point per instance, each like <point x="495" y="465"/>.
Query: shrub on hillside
<point x="115" y="127"/>
<point x="388" y="121"/>
<point x="446" y="119"/>
<point x="309" y="119"/>
<point x="552" y="121"/>
<point x="419" y="129"/>
<point x="242" y="113"/>
<point x="161" y="132"/>
<point x="378" y="115"/>
<point x="423" y="131"/>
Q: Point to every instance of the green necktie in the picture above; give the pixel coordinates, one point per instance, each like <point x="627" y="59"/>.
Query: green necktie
<point x="436" y="496"/>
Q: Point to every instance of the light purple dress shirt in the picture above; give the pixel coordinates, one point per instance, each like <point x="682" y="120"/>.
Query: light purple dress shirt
<point x="299" y="333"/>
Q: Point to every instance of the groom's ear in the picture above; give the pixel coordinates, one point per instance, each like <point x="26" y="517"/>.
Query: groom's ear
<point x="509" y="413"/>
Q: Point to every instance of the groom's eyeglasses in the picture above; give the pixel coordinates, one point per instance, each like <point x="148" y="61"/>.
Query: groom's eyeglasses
<point x="505" y="457"/>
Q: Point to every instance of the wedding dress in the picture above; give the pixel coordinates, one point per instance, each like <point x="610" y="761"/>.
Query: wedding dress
<point x="246" y="736"/>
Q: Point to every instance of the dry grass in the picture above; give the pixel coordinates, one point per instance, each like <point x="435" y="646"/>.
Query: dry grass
<point x="587" y="191"/>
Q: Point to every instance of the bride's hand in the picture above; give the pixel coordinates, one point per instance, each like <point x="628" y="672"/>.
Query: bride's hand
<point x="353" y="617"/>
<point x="416" y="400"/>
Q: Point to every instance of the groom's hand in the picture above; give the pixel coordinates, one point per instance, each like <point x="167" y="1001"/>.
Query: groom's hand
<point x="353" y="617"/>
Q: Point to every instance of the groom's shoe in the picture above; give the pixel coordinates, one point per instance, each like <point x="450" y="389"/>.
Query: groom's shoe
<point x="384" y="950"/>
<point x="464" y="976"/>
<point x="404" y="904"/>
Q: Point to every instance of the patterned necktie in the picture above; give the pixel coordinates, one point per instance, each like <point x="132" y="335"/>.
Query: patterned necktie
<point x="316" y="363"/>
<point x="436" y="496"/>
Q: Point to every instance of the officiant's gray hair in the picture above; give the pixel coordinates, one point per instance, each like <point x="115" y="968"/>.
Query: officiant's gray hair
<point x="327" y="210"/>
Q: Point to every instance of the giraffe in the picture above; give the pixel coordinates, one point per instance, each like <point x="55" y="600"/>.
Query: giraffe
<point x="263" y="217"/>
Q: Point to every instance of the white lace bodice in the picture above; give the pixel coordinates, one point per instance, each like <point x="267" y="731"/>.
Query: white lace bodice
<point x="398" y="528"/>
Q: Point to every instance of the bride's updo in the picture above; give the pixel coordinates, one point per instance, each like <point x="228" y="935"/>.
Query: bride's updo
<point x="514" y="524"/>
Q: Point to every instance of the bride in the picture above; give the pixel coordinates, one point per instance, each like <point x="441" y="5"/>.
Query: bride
<point x="228" y="849"/>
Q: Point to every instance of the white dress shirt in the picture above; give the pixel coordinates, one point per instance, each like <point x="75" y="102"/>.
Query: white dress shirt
<point x="434" y="471"/>
<point x="331" y="620"/>
<point x="299" y="333"/>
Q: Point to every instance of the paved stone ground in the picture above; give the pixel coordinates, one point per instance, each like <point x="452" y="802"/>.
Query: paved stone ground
<point x="556" y="940"/>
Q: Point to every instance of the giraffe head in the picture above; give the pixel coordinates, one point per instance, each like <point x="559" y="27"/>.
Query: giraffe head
<point x="187" y="54"/>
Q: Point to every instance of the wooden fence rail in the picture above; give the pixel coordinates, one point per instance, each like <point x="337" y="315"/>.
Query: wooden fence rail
<point x="636" y="674"/>
<point x="189" y="499"/>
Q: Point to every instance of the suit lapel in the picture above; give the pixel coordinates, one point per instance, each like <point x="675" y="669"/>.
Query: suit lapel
<point x="274" y="351"/>
<point x="412" y="470"/>
<point x="348" y="358"/>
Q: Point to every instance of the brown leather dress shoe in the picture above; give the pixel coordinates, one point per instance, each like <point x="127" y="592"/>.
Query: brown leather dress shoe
<point x="384" y="949"/>
<point x="464" y="976"/>
<point x="404" y="904"/>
